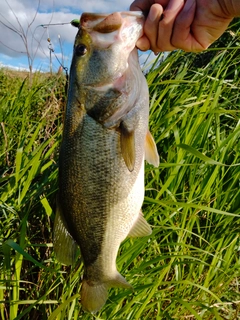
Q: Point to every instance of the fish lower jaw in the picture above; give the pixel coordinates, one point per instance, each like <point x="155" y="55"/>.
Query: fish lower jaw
<point x="104" y="87"/>
<point x="118" y="84"/>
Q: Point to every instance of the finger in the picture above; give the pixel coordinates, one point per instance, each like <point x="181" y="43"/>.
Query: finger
<point x="144" y="5"/>
<point x="166" y="25"/>
<point x="152" y="24"/>
<point x="139" y="5"/>
<point x="197" y="26"/>
<point x="143" y="43"/>
<point x="182" y="36"/>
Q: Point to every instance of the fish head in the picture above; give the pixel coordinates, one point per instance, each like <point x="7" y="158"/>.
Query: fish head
<point x="103" y="46"/>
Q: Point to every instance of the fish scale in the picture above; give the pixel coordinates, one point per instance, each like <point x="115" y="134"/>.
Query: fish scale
<point x="101" y="164"/>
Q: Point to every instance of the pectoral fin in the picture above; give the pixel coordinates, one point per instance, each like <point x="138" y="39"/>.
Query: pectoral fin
<point x="140" y="228"/>
<point x="127" y="146"/>
<point x="151" y="153"/>
<point x="65" y="247"/>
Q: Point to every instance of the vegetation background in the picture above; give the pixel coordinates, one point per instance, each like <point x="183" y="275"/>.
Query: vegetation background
<point x="189" y="267"/>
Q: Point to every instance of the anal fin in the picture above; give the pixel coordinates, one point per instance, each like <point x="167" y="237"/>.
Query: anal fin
<point x="151" y="153"/>
<point x="65" y="247"/>
<point x="140" y="228"/>
<point x="127" y="146"/>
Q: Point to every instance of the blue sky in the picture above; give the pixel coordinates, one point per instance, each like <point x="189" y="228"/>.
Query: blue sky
<point x="18" y="17"/>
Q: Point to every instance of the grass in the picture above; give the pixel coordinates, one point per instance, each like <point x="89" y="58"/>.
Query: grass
<point x="189" y="267"/>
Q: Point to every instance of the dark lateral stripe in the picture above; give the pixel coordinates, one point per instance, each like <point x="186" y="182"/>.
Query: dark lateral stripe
<point x="83" y="190"/>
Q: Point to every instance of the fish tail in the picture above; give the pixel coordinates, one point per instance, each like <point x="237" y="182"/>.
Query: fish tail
<point x="93" y="297"/>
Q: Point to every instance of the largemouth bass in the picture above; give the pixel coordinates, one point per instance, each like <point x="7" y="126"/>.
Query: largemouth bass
<point x="105" y="142"/>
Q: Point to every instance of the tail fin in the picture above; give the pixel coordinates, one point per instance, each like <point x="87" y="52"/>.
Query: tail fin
<point x="93" y="297"/>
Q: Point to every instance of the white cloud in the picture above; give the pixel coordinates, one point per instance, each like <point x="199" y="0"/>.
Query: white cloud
<point x="34" y="33"/>
<point x="21" y="67"/>
<point x="88" y="6"/>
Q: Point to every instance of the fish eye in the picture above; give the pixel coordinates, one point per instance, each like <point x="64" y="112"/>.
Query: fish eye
<point x="80" y="50"/>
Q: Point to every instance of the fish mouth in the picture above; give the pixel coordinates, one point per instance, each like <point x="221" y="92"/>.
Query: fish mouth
<point x="95" y="21"/>
<point x="96" y="16"/>
<point x="117" y="34"/>
<point x="118" y="29"/>
<point x="107" y="23"/>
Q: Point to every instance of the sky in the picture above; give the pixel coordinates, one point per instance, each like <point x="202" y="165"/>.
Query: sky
<point x="32" y="21"/>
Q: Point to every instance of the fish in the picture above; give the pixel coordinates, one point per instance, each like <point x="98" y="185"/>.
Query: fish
<point x="104" y="144"/>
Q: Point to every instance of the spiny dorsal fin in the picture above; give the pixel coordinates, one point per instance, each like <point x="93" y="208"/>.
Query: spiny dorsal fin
<point x="140" y="228"/>
<point x="65" y="247"/>
<point x="127" y="146"/>
<point x="151" y="153"/>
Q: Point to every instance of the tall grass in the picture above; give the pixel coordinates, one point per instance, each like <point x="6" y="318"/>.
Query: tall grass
<point x="189" y="267"/>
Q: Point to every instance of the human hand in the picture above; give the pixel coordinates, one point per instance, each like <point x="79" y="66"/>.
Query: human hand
<point x="190" y="25"/>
